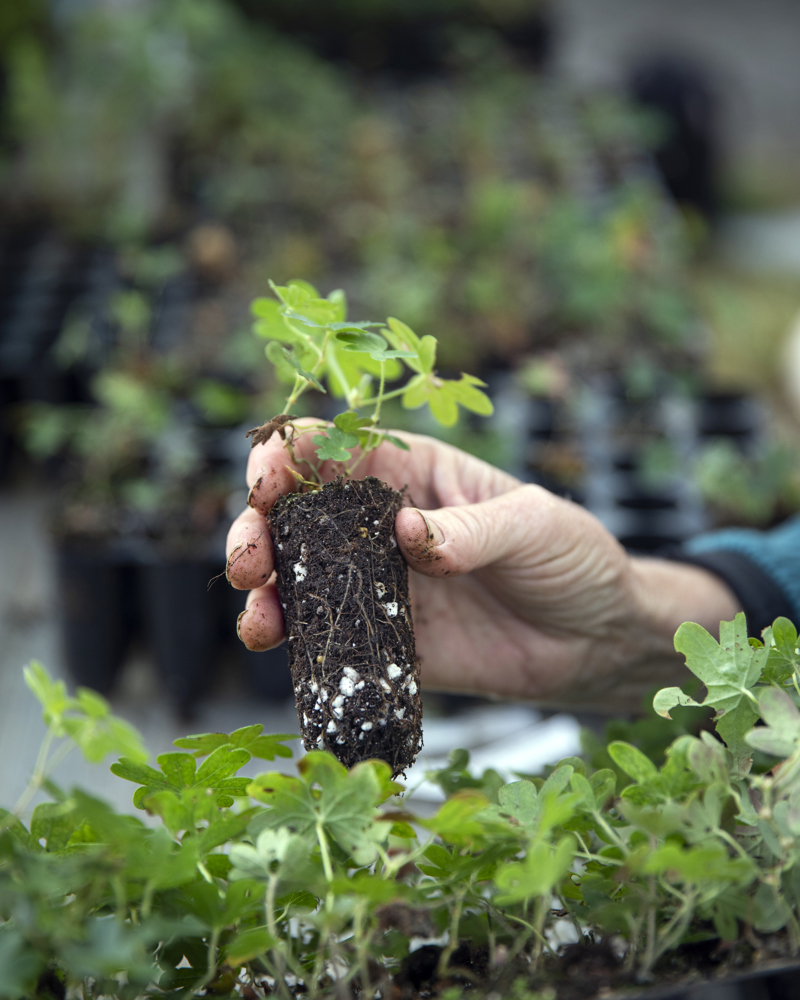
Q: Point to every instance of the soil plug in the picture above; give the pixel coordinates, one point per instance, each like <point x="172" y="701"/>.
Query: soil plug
<point x="343" y="585"/>
<point x="342" y="580"/>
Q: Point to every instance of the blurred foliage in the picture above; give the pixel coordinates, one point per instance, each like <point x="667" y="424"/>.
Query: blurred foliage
<point x="748" y="489"/>
<point x="496" y="211"/>
<point x="749" y="317"/>
<point x="146" y="452"/>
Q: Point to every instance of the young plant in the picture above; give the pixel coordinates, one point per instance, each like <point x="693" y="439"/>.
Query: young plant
<point x="315" y="884"/>
<point x="341" y="578"/>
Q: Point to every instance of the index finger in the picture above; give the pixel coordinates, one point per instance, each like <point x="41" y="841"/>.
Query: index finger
<point x="268" y="471"/>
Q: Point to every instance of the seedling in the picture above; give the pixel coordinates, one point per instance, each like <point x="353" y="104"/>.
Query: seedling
<point x="313" y="885"/>
<point x="341" y="578"/>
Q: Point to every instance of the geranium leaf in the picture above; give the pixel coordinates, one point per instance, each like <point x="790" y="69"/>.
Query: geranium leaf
<point x="334" y="445"/>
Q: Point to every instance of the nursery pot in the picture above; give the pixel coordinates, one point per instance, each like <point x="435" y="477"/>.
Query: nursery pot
<point x="97" y="611"/>
<point x="780" y="983"/>
<point x="343" y="585"/>
<point x="181" y="625"/>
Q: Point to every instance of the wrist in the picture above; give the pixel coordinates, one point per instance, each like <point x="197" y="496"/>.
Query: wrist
<point x="666" y="594"/>
<point x="669" y="593"/>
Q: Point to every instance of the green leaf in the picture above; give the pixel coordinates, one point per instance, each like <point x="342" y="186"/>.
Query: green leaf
<point x="457" y="820"/>
<point x="278" y="852"/>
<point x="633" y="762"/>
<point x="373" y="344"/>
<point x="698" y="865"/>
<point x="542" y="869"/>
<point x="21" y="965"/>
<point x="781" y="735"/>
<point x="728" y="668"/>
<point x="222" y="763"/>
<point x="706" y="757"/>
<point x="334" y="445"/>
<point x="667" y="698"/>
<point x="277" y="355"/>
<point x="466" y="394"/>
<point x="178" y="768"/>
<point x="427" y="354"/>
<point x="444" y="396"/>
<point x="54" y="822"/>
<point x="248" y="738"/>
<point x="274" y="350"/>
<point x="784" y="655"/>
<point x="343" y="804"/>
<point x="269" y="322"/>
<point x="52" y="695"/>
<point x="396" y="441"/>
<point x="248" y="945"/>
<point x="349" y="422"/>
<point x="402" y="336"/>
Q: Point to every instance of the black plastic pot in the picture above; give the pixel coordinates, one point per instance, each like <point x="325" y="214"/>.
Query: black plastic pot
<point x="181" y="624"/>
<point x="727" y="414"/>
<point x="98" y="611"/>
<point x="781" y="983"/>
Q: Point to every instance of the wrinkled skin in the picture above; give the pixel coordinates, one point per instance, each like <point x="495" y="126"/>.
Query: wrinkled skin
<point x="515" y="592"/>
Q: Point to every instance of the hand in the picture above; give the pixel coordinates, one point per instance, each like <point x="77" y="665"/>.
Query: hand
<point x="514" y="592"/>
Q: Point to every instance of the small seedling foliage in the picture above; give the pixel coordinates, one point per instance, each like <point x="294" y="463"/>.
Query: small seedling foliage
<point x="312" y="345"/>
<point x="288" y="881"/>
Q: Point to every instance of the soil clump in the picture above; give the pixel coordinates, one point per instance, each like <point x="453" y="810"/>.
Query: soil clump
<point x="343" y="586"/>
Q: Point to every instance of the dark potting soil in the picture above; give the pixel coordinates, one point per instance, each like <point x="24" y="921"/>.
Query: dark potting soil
<point x="343" y="585"/>
<point x="590" y="970"/>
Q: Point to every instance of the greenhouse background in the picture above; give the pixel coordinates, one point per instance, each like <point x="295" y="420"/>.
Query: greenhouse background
<point x="592" y="205"/>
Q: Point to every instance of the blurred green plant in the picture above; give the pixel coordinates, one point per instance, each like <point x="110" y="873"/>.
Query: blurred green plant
<point x="493" y="205"/>
<point x="755" y="489"/>
<point x="320" y="880"/>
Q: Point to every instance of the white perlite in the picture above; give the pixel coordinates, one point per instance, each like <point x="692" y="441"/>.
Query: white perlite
<point x="366" y="726"/>
<point x="380" y="589"/>
<point x="390" y="607"/>
<point x="347" y="687"/>
<point x="300" y="572"/>
<point x="394" y="671"/>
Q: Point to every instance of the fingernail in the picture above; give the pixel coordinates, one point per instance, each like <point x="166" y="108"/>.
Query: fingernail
<point x="434" y="532"/>
<point x="231" y="560"/>
<point x="251" y="496"/>
<point x="239" y="623"/>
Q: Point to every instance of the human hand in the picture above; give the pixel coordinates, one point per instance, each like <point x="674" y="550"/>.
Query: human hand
<point x="514" y="592"/>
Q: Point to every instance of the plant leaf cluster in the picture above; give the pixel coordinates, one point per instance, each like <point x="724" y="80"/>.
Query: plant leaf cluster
<point x="306" y="884"/>
<point x="313" y="346"/>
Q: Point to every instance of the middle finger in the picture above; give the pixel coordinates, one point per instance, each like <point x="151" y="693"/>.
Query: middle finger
<point x="251" y="558"/>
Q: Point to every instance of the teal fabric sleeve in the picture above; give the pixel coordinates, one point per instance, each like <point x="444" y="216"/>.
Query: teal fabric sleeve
<point x="775" y="553"/>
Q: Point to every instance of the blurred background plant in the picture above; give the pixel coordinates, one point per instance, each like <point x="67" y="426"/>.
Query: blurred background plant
<point x="161" y="159"/>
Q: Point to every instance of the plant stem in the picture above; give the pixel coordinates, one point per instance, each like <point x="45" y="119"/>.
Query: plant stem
<point x="272" y="927"/>
<point x="147" y="898"/>
<point x="211" y="970"/>
<point x="41" y="770"/>
<point x="541" y="940"/>
<point x="392" y="394"/>
<point x="326" y="862"/>
<point x="452" y="944"/>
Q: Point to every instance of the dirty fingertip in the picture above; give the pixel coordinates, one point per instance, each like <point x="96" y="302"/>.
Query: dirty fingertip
<point x="258" y="628"/>
<point x="419" y="536"/>
<point x="257" y="498"/>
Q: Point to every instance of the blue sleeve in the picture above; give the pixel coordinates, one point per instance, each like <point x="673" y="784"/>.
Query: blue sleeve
<point x="761" y="567"/>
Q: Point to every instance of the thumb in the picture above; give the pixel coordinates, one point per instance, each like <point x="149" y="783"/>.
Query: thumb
<point x="452" y="541"/>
